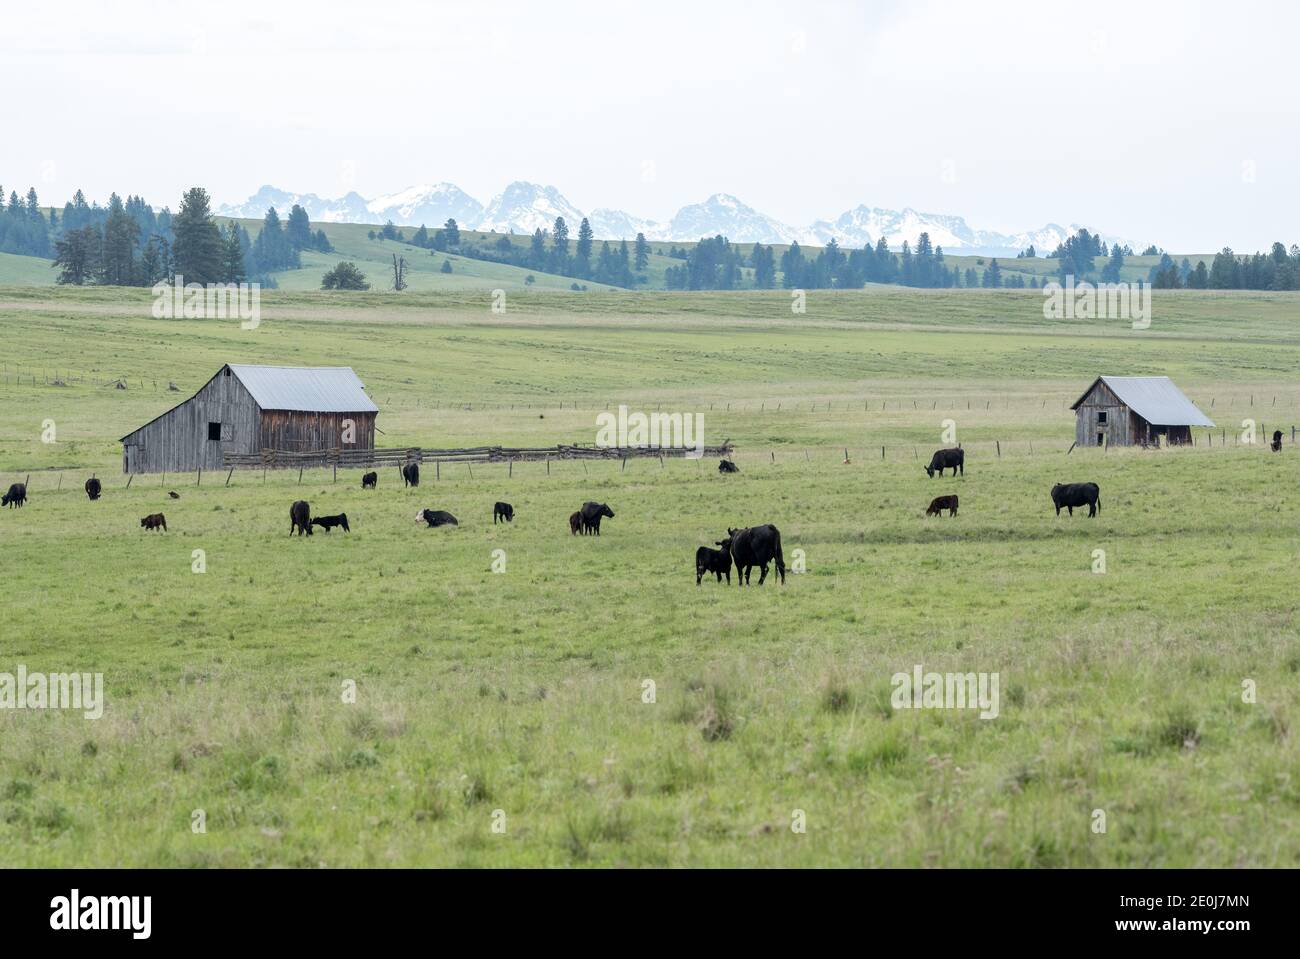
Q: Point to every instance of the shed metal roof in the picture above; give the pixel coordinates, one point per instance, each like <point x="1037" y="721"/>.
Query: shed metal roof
<point x="313" y="389"/>
<point x="1154" y="398"/>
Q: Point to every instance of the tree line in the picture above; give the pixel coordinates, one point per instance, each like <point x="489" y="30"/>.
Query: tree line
<point x="127" y="244"/>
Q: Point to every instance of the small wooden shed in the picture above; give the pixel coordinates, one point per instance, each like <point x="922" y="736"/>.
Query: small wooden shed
<point x="1135" y="411"/>
<point x="248" y="409"/>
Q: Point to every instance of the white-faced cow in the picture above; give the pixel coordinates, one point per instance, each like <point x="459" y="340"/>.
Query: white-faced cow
<point x="1071" y="495"/>
<point x="436" y="517"/>
<point x="954" y="460"/>
<point x="756" y="546"/>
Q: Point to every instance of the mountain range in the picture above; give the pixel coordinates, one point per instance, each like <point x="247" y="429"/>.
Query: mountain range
<point x="525" y="207"/>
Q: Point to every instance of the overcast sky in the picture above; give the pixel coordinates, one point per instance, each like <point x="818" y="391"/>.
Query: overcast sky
<point x="1173" y="123"/>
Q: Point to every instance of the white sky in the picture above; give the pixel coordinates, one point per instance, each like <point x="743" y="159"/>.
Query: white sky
<point x="1173" y="122"/>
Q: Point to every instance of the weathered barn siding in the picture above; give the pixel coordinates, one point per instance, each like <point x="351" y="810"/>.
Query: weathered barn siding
<point x="1116" y="427"/>
<point x="298" y="432"/>
<point x="178" y="440"/>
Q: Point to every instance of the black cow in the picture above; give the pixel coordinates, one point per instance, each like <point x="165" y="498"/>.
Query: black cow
<point x="947" y="459"/>
<point x="411" y="474"/>
<point x="1071" y="495"/>
<point x="756" y="546"/>
<point x="505" y="511"/>
<point x="154" y="521"/>
<point x="300" y="518"/>
<point x="716" y="561"/>
<point x="1277" y="441"/>
<point x="941" y="503"/>
<point x="174" y="495"/>
<point x="16" y="496"/>
<point x="93" y="488"/>
<point x="591" y="514"/>
<point x="726" y="466"/>
<point x="327" y="523"/>
<point x="436" y="517"/>
<point x="370" y="481"/>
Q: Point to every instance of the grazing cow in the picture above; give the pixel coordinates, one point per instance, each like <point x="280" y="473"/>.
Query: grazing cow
<point x="505" y="511"/>
<point x="300" y="518"/>
<point x="327" y="523"/>
<point x="370" y="481"/>
<point x="174" y="495"/>
<point x="947" y="459"/>
<point x="16" y="496"/>
<point x="575" y="522"/>
<point x="93" y="488"/>
<point x="716" y="561"/>
<point x="1277" y="441"/>
<point x="411" y="474"/>
<point x="154" y="521"/>
<point x="436" y="517"/>
<point x="591" y="514"/>
<point x="726" y="466"/>
<point x="756" y="546"/>
<point x="941" y="503"/>
<point x="1071" y="495"/>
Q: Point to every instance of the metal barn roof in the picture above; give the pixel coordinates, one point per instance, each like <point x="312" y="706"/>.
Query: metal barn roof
<point x="1154" y="398"/>
<point x="310" y="389"/>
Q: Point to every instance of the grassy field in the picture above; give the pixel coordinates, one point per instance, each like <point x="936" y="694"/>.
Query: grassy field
<point x="517" y="699"/>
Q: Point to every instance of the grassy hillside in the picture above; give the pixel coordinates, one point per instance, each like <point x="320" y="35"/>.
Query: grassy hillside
<point x="519" y="698"/>
<point x="26" y="271"/>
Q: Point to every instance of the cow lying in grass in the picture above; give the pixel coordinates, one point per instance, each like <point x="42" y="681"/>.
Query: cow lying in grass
<point x="436" y="517"/>
<point x="503" y="511"/>
<point x="300" y="518"/>
<point x="93" y="488"/>
<point x="154" y="521"/>
<point x="941" y="503"/>
<point x="726" y="466"/>
<point x="327" y="523"/>
<point x="370" y="481"/>
<point x="715" y="561"/>
<point x="16" y="496"/>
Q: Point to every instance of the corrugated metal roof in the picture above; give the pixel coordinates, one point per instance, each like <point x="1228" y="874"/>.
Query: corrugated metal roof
<point x="1154" y="398"/>
<point x="314" y="389"/>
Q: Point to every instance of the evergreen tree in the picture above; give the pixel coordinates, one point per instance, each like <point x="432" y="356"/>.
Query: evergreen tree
<point x="298" y="229"/>
<point x="642" y="253"/>
<point x="452" y="232"/>
<point x="197" y="252"/>
<point x="117" y="252"/>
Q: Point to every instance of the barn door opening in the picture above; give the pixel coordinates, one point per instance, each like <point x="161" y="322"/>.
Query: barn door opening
<point x="1101" y="439"/>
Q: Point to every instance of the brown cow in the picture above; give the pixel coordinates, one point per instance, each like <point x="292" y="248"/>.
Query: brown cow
<point x="575" y="523"/>
<point x="155" y="521"/>
<point x="941" y="503"/>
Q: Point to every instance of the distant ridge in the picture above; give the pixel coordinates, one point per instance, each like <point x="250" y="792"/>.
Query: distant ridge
<point x="524" y="207"/>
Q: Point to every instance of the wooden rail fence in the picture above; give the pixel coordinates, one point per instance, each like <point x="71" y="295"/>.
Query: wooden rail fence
<point x="357" y="459"/>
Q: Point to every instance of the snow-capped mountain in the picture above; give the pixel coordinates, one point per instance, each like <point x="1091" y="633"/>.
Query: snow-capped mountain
<point x="430" y="205"/>
<point x="525" y="207"/>
<point x="350" y="208"/>
<point x="722" y="214"/>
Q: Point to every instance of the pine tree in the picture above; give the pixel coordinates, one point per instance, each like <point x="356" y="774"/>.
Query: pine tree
<point x="197" y="253"/>
<point x="452" y="231"/>
<point x="235" y="271"/>
<point x="642" y="253"/>
<point x="120" y="238"/>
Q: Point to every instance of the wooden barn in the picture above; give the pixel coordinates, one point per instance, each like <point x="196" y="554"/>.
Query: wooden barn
<point x="1135" y="411"/>
<point x="248" y="409"/>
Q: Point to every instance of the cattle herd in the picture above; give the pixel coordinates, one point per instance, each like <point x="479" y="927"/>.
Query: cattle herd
<point x="742" y="549"/>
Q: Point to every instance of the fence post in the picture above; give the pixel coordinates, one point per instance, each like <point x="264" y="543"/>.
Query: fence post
<point x="999" y="445"/>
<point x="230" y="474"/>
<point x="199" y="480"/>
<point x="299" y="475"/>
<point x="129" y="477"/>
